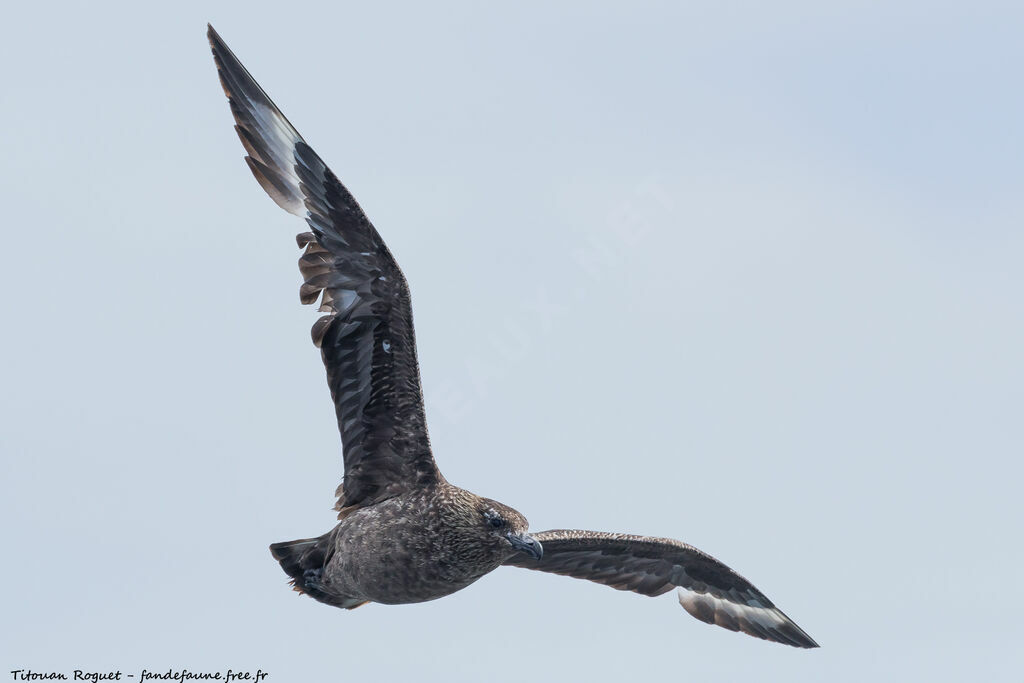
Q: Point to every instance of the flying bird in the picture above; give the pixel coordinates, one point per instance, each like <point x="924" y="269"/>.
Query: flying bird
<point x="404" y="534"/>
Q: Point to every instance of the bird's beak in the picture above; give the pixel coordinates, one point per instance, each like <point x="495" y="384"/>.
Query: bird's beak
<point x="526" y="543"/>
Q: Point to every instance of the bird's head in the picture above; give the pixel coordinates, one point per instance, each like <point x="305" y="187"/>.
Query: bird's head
<point x="506" y="529"/>
<point x="489" y="532"/>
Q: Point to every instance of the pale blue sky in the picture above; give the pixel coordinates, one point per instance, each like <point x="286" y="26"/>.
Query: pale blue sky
<point x="743" y="274"/>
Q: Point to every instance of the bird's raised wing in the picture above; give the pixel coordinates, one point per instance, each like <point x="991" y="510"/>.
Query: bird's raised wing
<point x="366" y="339"/>
<point x="708" y="589"/>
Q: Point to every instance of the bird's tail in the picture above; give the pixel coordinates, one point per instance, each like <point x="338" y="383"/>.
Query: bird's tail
<point x="304" y="561"/>
<point x="299" y="557"/>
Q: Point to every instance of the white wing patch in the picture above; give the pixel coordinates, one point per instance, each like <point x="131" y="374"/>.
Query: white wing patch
<point x="767" y="622"/>
<point x="279" y="140"/>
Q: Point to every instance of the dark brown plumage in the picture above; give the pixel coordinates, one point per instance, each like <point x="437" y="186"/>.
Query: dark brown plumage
<point x="404" y="533"/>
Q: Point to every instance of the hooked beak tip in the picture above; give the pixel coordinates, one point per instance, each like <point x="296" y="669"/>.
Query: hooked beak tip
<point x="527" y="544"/>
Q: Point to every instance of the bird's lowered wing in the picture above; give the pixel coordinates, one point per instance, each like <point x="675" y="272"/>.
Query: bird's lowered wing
<point x="708" y="589"/>
<point x="366" y="339"/>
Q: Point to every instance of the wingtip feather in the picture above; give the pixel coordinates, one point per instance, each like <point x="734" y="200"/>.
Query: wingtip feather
<point x="768" y="623"/>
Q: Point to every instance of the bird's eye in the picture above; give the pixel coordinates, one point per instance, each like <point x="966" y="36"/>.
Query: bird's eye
<point x="496" y="522"/>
